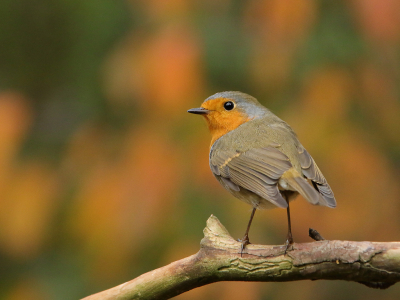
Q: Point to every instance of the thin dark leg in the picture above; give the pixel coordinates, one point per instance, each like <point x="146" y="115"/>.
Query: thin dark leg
<point x="245" y="240"/>
<point x="289" y="238"/>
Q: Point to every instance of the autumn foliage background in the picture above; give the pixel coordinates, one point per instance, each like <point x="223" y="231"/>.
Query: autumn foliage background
<point x="103" y="174"/>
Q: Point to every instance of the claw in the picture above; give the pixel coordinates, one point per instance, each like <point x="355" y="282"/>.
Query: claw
<point x="245" y="241"/>
<point x="287" y="245"/>
<point x="289" y="242"/>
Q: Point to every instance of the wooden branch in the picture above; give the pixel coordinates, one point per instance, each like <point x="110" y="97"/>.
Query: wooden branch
<point x="373" y="264"/>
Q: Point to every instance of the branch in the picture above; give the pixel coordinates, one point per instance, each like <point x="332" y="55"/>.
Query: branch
<point x="373" y="264"/>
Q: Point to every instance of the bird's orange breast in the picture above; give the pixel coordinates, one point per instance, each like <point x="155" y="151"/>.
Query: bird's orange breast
<point x="220" y="121"/>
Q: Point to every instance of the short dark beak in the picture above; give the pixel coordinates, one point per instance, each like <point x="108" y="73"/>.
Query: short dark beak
<point x="198" y="111"/>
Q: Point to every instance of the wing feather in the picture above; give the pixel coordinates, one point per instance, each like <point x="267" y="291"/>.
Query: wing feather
<point x="257" y="170"/>
<point x="230" y="184"/>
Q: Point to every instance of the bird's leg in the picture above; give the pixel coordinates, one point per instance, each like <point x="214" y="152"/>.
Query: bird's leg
<point x="245" y="240"/>
<point x="289" y="238"/>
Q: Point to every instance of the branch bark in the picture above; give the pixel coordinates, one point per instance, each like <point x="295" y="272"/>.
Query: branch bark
<point x="373" y="264"/>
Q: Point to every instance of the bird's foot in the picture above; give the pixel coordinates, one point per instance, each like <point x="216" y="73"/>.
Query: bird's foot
<point x="245" y="241"/>
<point x="289" y="242"/>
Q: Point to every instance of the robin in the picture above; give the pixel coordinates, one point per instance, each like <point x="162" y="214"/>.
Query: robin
<point x="258" y="158"/>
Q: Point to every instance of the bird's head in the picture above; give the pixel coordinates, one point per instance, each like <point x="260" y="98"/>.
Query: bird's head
<point x="226" y="111"/>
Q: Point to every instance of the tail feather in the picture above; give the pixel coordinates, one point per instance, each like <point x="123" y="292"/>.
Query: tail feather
<point x="312" y="172"/>
<point x="301" y="185"/>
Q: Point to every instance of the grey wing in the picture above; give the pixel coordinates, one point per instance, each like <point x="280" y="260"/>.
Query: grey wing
<point x="256" y="170"/>
<point x="312" y="172"/>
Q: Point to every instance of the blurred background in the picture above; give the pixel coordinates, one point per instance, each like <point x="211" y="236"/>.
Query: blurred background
<point x="103" y="174"/>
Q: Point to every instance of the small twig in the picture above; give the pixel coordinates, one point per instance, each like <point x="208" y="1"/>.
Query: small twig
<point x="315" y="235"/>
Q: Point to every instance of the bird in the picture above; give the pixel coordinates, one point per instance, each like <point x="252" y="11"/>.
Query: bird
<point x="258" y="158"/>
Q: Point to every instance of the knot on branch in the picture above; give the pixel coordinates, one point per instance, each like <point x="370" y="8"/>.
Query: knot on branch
<point x="216" y="236"/>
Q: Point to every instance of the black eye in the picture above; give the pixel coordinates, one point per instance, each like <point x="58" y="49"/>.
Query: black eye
<point x="229" y="105"/>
